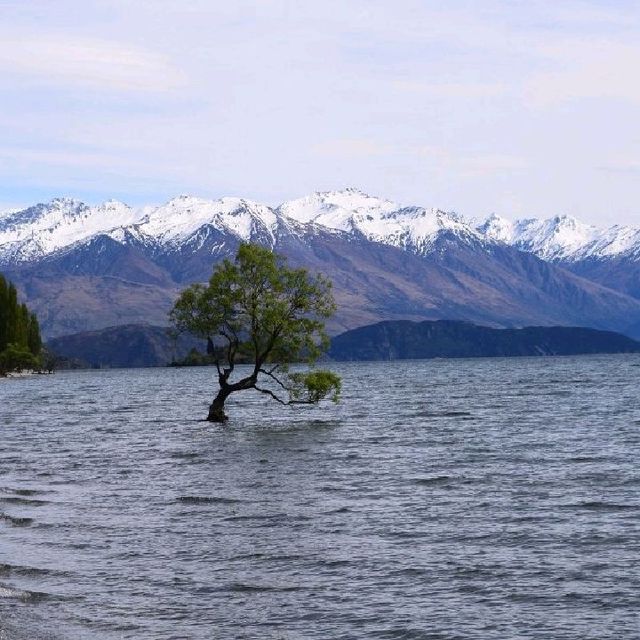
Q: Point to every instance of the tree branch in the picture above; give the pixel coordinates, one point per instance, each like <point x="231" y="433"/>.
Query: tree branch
<point x="280" y="400"/>
<point x="270" y="393"/>
<point x="270" y="345"/>
<point x="275" y="378"/>
<point x="232" y="348"/>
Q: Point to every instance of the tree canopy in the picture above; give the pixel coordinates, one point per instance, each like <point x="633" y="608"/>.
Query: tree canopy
<point x="269" y="314"/>
<point x="20" y="341"/>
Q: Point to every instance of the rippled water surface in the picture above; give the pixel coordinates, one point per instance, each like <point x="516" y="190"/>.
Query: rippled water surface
<point x="490" y="498"/>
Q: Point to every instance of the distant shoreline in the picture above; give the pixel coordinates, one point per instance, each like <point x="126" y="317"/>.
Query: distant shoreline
<point x="446" y="339"/>
<point x="135" y="346"/>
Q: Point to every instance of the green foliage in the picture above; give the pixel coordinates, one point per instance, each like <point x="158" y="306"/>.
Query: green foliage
<point x="265" y="312"/>
<point x="19" y="331"/>
<point x="16" y="358"/>
<point x="275" y="313"/>
<point x="313" y="386"/>
<point x="34" y="341"/>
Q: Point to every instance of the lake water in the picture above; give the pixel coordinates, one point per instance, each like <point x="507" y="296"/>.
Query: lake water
<point x="489" y="499"/>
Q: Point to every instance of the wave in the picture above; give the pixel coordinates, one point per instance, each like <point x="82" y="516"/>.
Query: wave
<point x="598" y="505"/>
<point x="23" y="501"/>
<point x="16" y="522"/>
<point x="207" y="500"/>
<point x="431" y="481"/>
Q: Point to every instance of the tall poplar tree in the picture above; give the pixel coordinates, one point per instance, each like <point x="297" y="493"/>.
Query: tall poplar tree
<point x="20" y="340"/>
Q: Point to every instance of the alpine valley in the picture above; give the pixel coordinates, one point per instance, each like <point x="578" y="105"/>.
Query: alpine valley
<point x="84" y="268"/>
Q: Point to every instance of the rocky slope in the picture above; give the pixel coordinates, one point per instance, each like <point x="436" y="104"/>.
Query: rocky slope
<point x="609" y="256"/>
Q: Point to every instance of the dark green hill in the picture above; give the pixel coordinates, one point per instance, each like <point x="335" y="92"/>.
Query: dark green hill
<point x="398" y="340"/>
<point x="132" y="345"/>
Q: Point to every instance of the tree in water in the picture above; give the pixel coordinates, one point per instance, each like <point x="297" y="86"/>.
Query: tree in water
<point x="268" y="314"/>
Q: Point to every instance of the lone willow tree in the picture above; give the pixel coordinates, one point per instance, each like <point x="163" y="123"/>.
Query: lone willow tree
<point x="258" y="310"/>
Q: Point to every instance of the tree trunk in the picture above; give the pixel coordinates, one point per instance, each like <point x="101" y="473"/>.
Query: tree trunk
<point x="216" y="410"/>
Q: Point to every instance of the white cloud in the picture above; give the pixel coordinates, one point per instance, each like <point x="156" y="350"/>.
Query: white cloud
<point x="351" y="148"/>
<point x="621" y="166"/>
<point x="459" y="162"/>
<point x="97" y="64"/>
<point x="491" y="164"/>
<point x="453" y="90"/>
<point x="468" y="105"/>
<point x="586" y="68"/>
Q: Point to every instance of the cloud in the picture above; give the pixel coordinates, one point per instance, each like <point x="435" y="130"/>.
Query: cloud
<point x="464" y="164"/>
<point x="585" y="68"/>
<point x="491" y="164"/>
<point x="451" y="102"/>
<point x="351" y="148"/>
<point x="454" y="90"/>
<point x="623" y="166"/>
<point x="459" y="162"/>
<point x="93" y="63"/>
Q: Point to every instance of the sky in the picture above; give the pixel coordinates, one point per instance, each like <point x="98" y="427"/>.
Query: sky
<point x="521" y="108"/>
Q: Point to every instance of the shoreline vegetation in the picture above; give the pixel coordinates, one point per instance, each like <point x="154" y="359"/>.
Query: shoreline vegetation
<point x="21" y="346"/>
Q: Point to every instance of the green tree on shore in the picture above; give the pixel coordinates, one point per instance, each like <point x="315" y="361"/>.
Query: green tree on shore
<point x="269" y="314"/>
<point x="20" y="341"/>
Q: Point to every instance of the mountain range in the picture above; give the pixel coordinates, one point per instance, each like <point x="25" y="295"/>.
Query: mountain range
<point x="83" y="267"/>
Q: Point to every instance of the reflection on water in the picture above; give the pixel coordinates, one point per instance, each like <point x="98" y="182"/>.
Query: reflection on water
<point x="442" y="499"/>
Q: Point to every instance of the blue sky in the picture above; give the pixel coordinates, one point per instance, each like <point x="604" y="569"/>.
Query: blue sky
<point x="523" y="108"/>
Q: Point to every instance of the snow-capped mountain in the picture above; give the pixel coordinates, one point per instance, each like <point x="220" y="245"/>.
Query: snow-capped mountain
<point x="337" y="209"/>
<point x="44" y="229"/>
<point x="180" y="218"/>
<point x="87" y="267"/>
<point x="563" y="238"/>
<point x="609" y="257"/>
<point x="384" y="221"/>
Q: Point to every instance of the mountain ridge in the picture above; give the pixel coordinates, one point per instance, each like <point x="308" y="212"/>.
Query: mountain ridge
<point x="45" y="228"/>
<point x="84" y="268"/>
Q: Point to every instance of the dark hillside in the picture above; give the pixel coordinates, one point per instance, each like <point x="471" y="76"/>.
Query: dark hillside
<point x="397" y="340"/>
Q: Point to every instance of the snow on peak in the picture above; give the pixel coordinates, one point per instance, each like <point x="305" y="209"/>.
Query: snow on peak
<point x="562" y="237"/>
<point x="497" y="229"/>
<point x="181" y="217"/>
<point x="113" y="205"/>
<point x="417" y="228"/>
<point x="378" y="219"/>
<point x="334" y="209"/>
<point x="47" y="227"/>
<point x="555" y="238"/>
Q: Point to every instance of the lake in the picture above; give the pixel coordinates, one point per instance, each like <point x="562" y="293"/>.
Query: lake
<point x="488" y="498"/>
